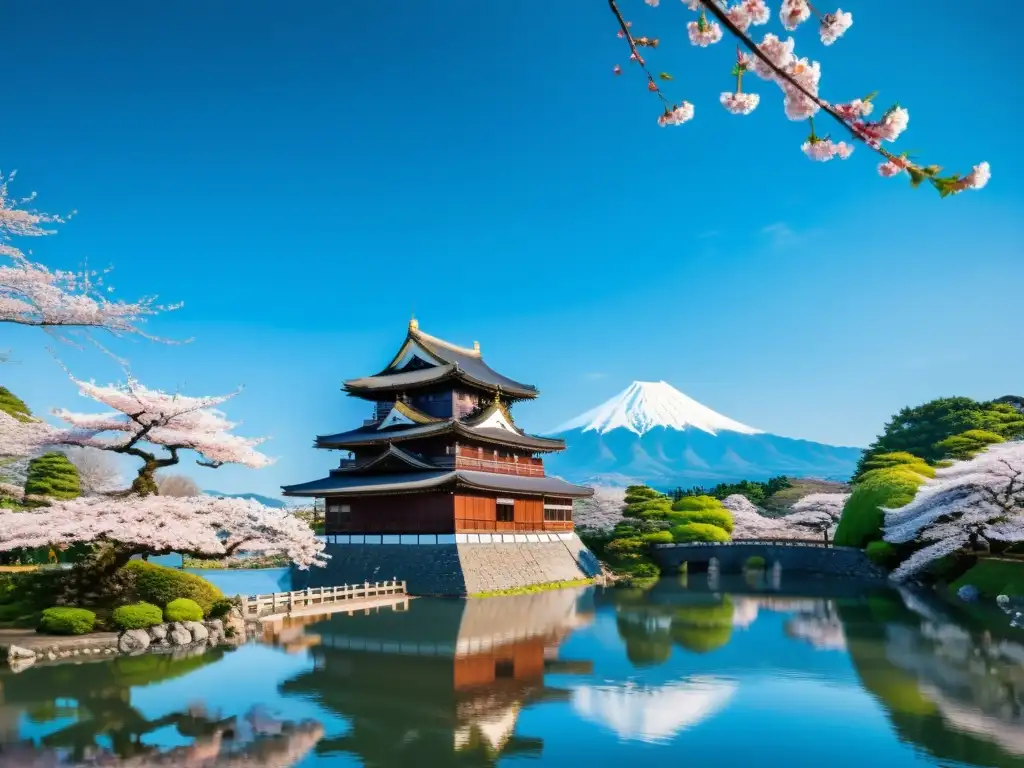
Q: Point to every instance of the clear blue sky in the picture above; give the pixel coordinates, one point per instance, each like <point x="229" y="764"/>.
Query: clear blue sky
<point x="302" y="175"/>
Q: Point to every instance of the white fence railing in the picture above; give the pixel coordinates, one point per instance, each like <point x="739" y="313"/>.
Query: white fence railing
<point x="255" y="606"/>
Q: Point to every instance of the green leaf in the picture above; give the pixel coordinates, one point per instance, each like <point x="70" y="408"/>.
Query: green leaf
<point x="665" y="76"/>
<point x="870" y="96"/>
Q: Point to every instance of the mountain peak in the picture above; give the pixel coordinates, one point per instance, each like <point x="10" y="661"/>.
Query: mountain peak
<point x="644" y="405"/>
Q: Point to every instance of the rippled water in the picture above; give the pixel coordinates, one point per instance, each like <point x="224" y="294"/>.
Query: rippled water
<point x="799" y="676"/>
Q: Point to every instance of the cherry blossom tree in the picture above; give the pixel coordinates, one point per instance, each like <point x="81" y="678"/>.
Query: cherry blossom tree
<point x="818" y="511"/>
<point x="969" y="505"/>
<point x="775" y="60"/>
<point x="22" y="435"/>
<point x="198" y="526"/>
<point x="97" y="471"/>
<point x="58" y="301"/>
<point x="156" y="427"/>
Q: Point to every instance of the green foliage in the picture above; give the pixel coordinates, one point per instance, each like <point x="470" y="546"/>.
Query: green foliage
<point x="159" y="585"/>
<point x="625" y="546"/>
<point x="13" y="405"/>
<point x="67" y="621"/>
<point x="882" y="553"/>
<point x="899" y="459"/>
<point x="152" y="668"/>
<point x="862" y="518"/>
<point x="642" y="491"/>
<point x="532" y="589"/>
<point x="220" y="608"/>
<point x="994" y="578"/>
<point x="703" y="628"/>
<point x="661" y="506"/>
<point x="695" y="504"/>
<point x="755" y="562"/>
<point x="642" y="569"/>
<point x="138" y="616"/>
<point x="657" y="537"/>
<point x="183" y="609"/>
<point x="720" y="517"/>
<point x="15" y="612"/>
<point x="968" y="444"/>
<point x="756" y="492"/>
<point x="690" y="532"/>
<point x="919" y="430"/>
<point x="52" y="475"/>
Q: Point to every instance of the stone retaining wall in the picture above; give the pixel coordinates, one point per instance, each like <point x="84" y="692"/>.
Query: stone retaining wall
<point x="844" y="562"/>
<point x="456" y="569"/>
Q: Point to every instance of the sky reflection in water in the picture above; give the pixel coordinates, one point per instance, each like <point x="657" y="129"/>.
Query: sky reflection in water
<point x="792" y="677"/>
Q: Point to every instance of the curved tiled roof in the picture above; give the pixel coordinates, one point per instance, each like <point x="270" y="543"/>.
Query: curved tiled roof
<point x="460" y="363"/>
<point x="372" y="436"/>
<point x="357" y="485"/>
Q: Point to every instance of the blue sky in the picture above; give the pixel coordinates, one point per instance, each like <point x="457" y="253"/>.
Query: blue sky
<point x="302" y="176"/>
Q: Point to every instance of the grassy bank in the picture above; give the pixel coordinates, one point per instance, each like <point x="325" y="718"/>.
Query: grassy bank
<point x="237" y="563"/>
<point x="994" y="577"/>
<point x="534" y="588"/>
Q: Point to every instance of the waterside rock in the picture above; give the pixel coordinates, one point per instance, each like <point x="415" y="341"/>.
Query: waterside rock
<point x="968" y="593"/>
<point x="179" y="635"/>
<point x="158" y="633"/>
<point x="133" y="641"/>
<point x="17" y="653"/>
<point x="199" y="633"/>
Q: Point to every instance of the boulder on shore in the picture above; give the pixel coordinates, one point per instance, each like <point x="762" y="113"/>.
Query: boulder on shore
<point x="179" y="635"/>
<point x="133" y="641"/>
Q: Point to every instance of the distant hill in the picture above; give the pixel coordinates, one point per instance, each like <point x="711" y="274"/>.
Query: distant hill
<point x="781" y="502"/>
<point x="264" y="500"/>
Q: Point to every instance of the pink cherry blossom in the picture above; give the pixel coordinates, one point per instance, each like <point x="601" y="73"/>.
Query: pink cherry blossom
<point x="171" y="421"/>
<point x="758" y="11"/>
<point x="617" y="70"/>
<point x="970" y="504"/>
<point x="889" y="169"/>
<point x="677" y="115"/>
<point x="807" y="74"/>
<point x="824" y="150"/>
<point x="889" y="128"/>
<point x="976" y="179"/>
<point x="740" y="103"/>
<point x="201" y="526"/>
<point x="740" y="16"/>
<point x="704" y="33"/>
<point x="22" y="436"/>
<point x="854" y="109"/>
<point x="693" y="5"/>
<point x="834" y="26"/>
<point x="32" y="294"/>
<point x="794" y="12"/>
<point x="779" y="52"/>
<point x="652" y="3"/>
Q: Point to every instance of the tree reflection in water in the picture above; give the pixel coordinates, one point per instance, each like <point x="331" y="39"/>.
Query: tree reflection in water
<point x="105" y="729"/>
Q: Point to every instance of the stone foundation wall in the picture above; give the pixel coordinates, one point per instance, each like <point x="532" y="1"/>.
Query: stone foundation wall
<point x="454" y="570"/>
<point x="831" y="561"/>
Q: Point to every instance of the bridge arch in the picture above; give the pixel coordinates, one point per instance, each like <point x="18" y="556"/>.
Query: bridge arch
<point x="796" y="557"/>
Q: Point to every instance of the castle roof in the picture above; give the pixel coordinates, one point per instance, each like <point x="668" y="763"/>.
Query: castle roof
<point x="362" y="485"/>
<point x="499" y="435"/>
<point x="424" y="361"/>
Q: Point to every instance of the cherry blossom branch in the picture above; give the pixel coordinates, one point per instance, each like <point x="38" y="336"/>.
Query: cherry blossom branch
<point x="798" y="78"/>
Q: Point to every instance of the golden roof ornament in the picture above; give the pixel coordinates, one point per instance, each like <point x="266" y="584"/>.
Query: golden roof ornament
<point x="414" y="324"/>
<point x="476" y="346"/>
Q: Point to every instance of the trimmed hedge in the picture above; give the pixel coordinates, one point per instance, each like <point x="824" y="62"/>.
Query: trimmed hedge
<point x="52" y="476"/>
<point x="689" y="532"/>
<point x="159" y="585"/>
<point x="183" y="609"/>
<point x="755" y="562"/>
<point x="138" y="616"/>
<point x="720" y="517"/>
<point x="862" y="518"/>
<point x="882" y="553"/>
<point x="657" y="537"/>
<point x="67" y="621"/>
<point x="220" y="608"/>
<point x="643" y="508"/>
<point x="696" y="504"/>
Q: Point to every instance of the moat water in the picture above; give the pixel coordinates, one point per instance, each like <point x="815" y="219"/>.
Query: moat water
<point x="803" y="674"/>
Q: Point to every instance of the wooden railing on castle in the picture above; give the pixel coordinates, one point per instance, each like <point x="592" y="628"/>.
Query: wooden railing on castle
<point x="328" y="598"/>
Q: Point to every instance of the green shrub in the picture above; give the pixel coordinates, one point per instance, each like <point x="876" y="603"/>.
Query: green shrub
<point x="968" y="444"/>
<point x="67" y="621"/>
<point x="138" y="616"/>
<point x="720" y="517"/>
<point x="657" y="537"/>
<point x="53" y="476"/>
<point x="624" y="546"/>
<point x="691" y="532"/>
<point x="642" y="491"/>
<point x="220" y="608"/>
<point x="653" y="505"/>
<point x="881" y="553"/>
<point x="183" y="609"/>
<point x="696" y="504"/>
<point x="897" y="459"/>
<point x="642" y="570"/>
<point x="159" y="585"/>
<point x="15" y="611"/>
<point x="862" y="518"/>
<point x="755" y="562"/>
<point x="994" y="578"/>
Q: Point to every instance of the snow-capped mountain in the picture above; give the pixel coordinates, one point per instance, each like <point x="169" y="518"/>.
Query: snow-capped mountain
<point x="651" y="432"/>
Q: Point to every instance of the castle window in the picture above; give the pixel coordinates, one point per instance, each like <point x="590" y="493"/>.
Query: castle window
<point x="558" y="513"/>
<point x="506" y="511"/>
<point x="338" y="517"/>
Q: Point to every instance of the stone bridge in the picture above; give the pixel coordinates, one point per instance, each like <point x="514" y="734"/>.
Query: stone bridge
<point x="795" y="557"/>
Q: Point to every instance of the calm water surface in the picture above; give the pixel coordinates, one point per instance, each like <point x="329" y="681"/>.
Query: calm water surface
<point x="796" y="676"/>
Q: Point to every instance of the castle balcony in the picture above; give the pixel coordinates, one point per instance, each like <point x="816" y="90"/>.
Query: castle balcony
<point x="480" y="460"/>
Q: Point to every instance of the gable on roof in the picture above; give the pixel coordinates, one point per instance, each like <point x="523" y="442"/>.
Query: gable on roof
<point x="402" y="414"/>
<point x="494" y="416"/>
